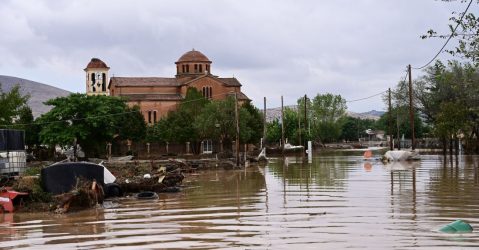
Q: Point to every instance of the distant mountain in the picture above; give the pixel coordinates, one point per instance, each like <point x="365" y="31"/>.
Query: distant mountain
<point x="373" y="114"/>
<point x="38" y="92"/>
<point x="275" y="113"/>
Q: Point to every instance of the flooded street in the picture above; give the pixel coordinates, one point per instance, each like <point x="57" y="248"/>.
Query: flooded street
<point x="338" y="201"/>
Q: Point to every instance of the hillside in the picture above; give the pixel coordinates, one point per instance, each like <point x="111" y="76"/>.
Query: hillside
<point x="38" y="92"/>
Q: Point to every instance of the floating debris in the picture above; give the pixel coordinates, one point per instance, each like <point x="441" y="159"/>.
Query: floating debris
<point x="457" y="226"/>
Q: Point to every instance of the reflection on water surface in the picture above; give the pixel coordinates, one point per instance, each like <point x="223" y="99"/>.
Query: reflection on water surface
<point x="338" y="201"/>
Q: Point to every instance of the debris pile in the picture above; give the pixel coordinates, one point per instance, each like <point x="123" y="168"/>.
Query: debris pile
<point x="162" y="179"/>
<point x="86" y="194"/>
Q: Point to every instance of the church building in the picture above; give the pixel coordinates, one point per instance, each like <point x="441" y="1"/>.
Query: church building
<point x="156" y="96"/>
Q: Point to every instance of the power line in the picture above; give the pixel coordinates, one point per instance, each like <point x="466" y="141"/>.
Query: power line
<point x="450" y="36"/>
<point x="360" y="99"/>
<point x="64" y="120"/>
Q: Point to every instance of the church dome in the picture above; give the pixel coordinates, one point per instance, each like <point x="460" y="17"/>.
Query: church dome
<point x="193" y="56"/>
<point x="96" y="63"/>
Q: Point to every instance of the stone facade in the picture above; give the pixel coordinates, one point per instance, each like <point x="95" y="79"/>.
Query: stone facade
<point x="156" y="96"/>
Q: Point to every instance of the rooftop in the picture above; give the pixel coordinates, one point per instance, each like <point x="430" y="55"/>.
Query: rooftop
<point x="96" y="63"/>
<point x="193" y="56"/>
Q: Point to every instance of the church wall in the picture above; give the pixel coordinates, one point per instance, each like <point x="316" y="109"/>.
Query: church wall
<point x="144" y="90"/>
<point x="161" y="107"/>
<point x="219" y="92"/>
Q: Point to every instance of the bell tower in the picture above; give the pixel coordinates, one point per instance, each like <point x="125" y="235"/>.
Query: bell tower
<point x="97" y="78"/>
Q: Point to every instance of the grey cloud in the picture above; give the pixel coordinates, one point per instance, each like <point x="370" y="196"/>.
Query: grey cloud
<point x="353" y="48"/>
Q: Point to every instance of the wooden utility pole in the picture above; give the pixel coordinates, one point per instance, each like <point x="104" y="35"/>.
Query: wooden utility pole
<point x="397" y="128"/>
<point x="305" y="120"/>
<point x="264" y="123"/>
<point x="390" y="118"/>
<point x="282" y="126"/>
<point x="411" y="110"/>
<point x="299" y="127"/>
<point x="237" y="130"/>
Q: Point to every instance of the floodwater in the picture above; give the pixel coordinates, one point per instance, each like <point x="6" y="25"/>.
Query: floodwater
<point x="339" y="201"/>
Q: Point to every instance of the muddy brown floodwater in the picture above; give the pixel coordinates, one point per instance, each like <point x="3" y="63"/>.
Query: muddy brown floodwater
<point x="339" y="201"/>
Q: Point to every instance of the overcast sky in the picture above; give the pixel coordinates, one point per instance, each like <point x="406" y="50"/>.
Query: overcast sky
<point x="354" y="48"/>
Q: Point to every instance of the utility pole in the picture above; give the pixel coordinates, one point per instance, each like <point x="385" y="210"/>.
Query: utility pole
<point x="299" y="127"/>
<point x="397" y="127"/>
<point x="264" y="123"/>
<point x="305" y="120"/>
<point x="411" y="111"/>
<point x="390" y="123"/>
<point x="282" y="126"/>
<point x="237" y="129"/>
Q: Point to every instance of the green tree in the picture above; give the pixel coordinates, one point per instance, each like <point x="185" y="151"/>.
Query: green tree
<point x="218" y="122"/>
<point x="91" y="121"/>
<point x="291" y="120"/>
<point x="132" y="125"/>
<point x="400" y="118"/>
<point x="254" y="123"/>
<point x="26" y="122"/>
<point x="354" y="128"/>
<point x="273" y="132"/>
<point x="178" y="126"/>
<point x="328" y="115"/>
<point x="467" y="34"/>
<point x="451" y="92"/>
<point x="11" y="104"/>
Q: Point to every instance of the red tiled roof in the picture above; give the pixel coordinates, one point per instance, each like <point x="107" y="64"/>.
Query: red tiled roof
<point x="96" y="63"/>
<point x="193" y="56"/>
<point x="144" y="81"/>
<point x="152" y="97"/>
<point x="233" y="82"/>
<point x="241" y="96"/>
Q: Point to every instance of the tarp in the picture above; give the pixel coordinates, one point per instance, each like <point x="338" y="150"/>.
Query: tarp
<point x="62" y="177"/>
<point x="402" y="155"/>
<point x="11" y="139"/>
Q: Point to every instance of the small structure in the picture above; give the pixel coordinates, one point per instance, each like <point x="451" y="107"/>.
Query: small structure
<point x="62" y="177"/>
<point x="401" y="155"/>
<point x="13" y="158"/>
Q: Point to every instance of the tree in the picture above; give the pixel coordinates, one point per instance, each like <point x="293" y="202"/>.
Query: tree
<point x="90" y="121"/>
<point x="273" y="132"/>
<point x="467" y="35"/>
<point x="449" y="99"/>
<point x="26" y="122"/>
<point x="254" y="122"/>
<point x="11" y="104"/>
<point x="354" y="128"/>
<point x="400" y="118"/>
<point x="132" y="125"/>
<point x="328" y="115"/>
<point x="178" y="126"/>
<point x="218" y="122"/>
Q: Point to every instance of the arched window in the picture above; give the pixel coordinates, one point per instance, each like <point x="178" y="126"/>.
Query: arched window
<point x="187" y="68"/>
<point x="154" y="116"/>
<point x="196" y="68"/>
<point x="183" y="68"/>
<point x="201" y="68"/>
<point x="103" y="84"/>
<point x="208" y="68"/>
<point x="207" y="92"/>
<point x="149" y="116"/>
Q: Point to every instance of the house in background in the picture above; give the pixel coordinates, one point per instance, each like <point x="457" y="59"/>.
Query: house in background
<point x="156" y="96"/>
